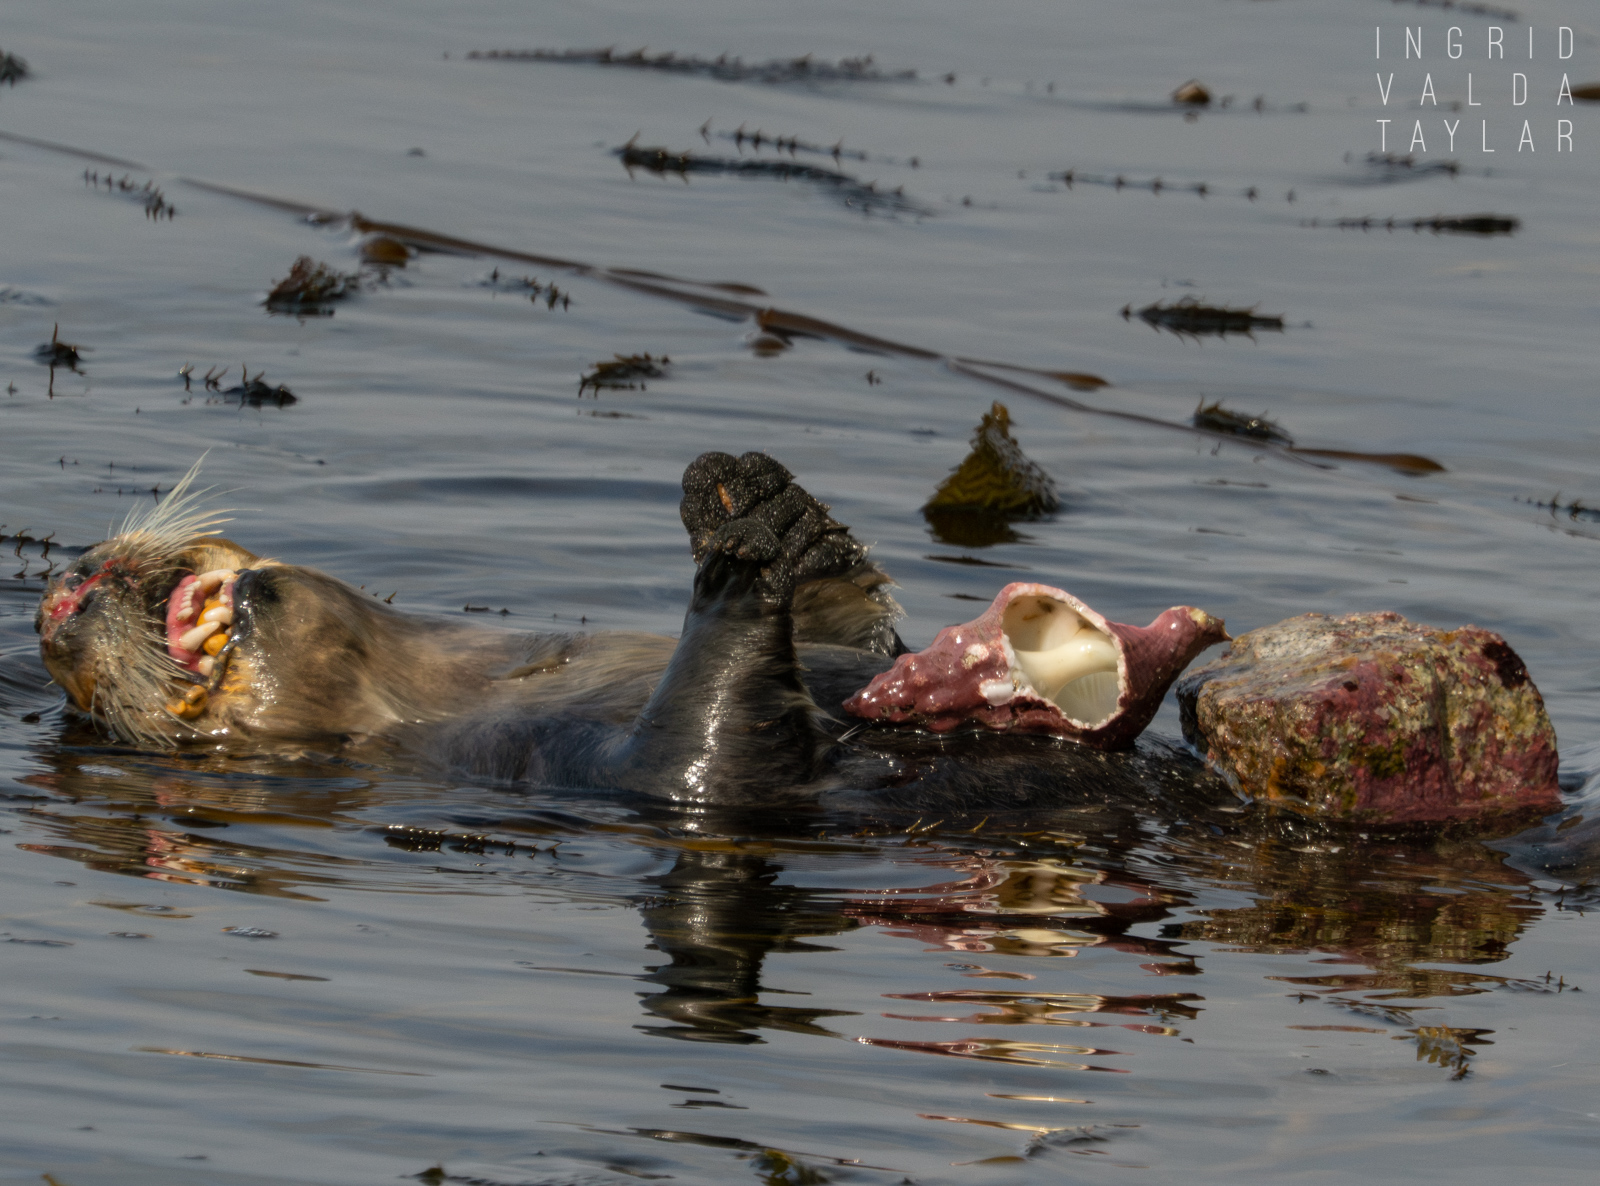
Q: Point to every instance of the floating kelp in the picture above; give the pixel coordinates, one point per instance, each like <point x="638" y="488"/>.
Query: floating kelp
<point x="1187" y="317"/>
<point x="791" y="145"/>
<point x="1491" y="11"/>
<point x="1589" y="92"/>
<point x="1119" y="181"/>
<point x="309" y="288"/>
<point x="1440" y="224"/>
<point x="12" y="69"/>
<point x="149" y="194"/>
<point x="1214" y="417"/>
<point x="619" y="373"/>
<point x="1393" y="167"/>
<point x="863" y="196"/>
<point x="723" y="68"/>
<point x="248" y="392"/>
<point x="385" y="252"/>
<point x="56" y="353"/>
<point x="1192" y="94"/>
<point x="529" y="285"/>
<point x="1413" y="464"/>
<point x="1574" y="510"/>
<point x="723" y="300"/>
<point x="251" y="392"/>
<point x="993" y="486"/>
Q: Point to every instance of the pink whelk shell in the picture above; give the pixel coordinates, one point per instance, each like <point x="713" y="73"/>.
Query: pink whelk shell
<point x="1039" y="660"/>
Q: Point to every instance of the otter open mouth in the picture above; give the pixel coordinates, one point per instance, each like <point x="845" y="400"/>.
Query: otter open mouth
<point x="200" y="612"/>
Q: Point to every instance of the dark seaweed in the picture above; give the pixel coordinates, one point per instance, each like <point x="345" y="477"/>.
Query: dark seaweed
<point x="549" y="293"/>
<point x="1189" y="318"/>
<point x="863" y="196"/>
<point x="1155" y="185"/>
<point x="1574" y="510"/>
<point x="618" y="373"/>
<point x="1216" y="418"/>
<point x="149" y="194"/>
<point x="724" y="68"/>
<point x="309" y="288"/>
<point x="1393" y="167"/>
<point x="790" y="144"/>
<point x="1440" y="224"/>
<point x="253" y="393"/>
<point x="1471" y="9"/>
<point x="249" y="392"/>
<point x="56" y="353"/>
<point x="12" y="69"/>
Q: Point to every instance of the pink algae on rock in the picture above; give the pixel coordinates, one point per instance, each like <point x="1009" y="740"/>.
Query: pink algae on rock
<point x="1039" y="660"/>
<point x="1371" y="718"/>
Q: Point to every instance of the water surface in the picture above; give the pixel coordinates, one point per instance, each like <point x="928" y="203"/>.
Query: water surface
<point x="227" y="971"/>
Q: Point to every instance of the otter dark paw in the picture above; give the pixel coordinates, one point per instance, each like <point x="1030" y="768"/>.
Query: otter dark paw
<point x="741" y="557"/>
<point x="719" y="490"/>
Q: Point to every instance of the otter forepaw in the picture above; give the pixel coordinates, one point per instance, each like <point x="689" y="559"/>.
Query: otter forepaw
<point x="741" y="557"/>
<point x="719" y="489"/>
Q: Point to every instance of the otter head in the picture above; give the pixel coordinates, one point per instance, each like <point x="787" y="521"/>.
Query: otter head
<point x="167" y="634"/>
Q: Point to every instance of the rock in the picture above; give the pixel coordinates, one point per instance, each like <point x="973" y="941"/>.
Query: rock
<point x="1371" y="718"/>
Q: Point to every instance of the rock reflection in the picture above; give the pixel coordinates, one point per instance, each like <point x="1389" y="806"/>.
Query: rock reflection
<point x="1390" y="907"/>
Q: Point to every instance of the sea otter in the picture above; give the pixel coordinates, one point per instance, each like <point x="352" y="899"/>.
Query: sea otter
<point x="170" y="636"/>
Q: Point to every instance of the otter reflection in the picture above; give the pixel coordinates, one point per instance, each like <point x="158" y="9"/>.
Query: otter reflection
<point x="1381" y="912"/>
<point x="1009" y="901"/>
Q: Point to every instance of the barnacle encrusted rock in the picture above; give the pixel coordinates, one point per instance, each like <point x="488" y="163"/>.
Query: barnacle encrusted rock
<point x="1372" y="718"/>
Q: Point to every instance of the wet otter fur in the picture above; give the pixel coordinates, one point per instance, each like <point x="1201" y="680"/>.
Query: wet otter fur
<point x="788" y="618"/>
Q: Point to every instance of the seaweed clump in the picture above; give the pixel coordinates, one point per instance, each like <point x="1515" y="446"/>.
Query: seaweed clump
<point x="12" y="69"/>
<point x="995" y="485"/>
<point x="250" y="391"/>
<point x="1574" y="510"/>
<point x="149" y="194"/>
<point x="619" y="372"/>
<point x="1214" y="417"/>
<point x="1189" y="318"/>
<point x="1440" y="224"/>
<point x="723" y="68"/>
<point x="852" y="191"/>
<point x="56" y="353"/>
<point x="1392" y="166"/>
<point x="309" y="288"/>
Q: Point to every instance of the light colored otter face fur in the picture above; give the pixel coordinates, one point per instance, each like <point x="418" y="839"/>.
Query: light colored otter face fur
<point x="168" y="634"/>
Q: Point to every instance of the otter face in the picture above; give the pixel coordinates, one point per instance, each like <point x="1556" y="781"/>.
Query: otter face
<point x="169" y="635"/>
<point x="116" y="630"/>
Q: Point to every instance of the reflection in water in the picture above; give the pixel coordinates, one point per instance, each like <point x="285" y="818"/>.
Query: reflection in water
<point x="1389" y="907"/>
<point x="717" y="917"/>
<point x="1397" y="920"/>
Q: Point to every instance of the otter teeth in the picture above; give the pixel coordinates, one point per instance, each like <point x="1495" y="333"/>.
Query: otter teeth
<point x="220" y="614"/>
<point x="191" y="640"/>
